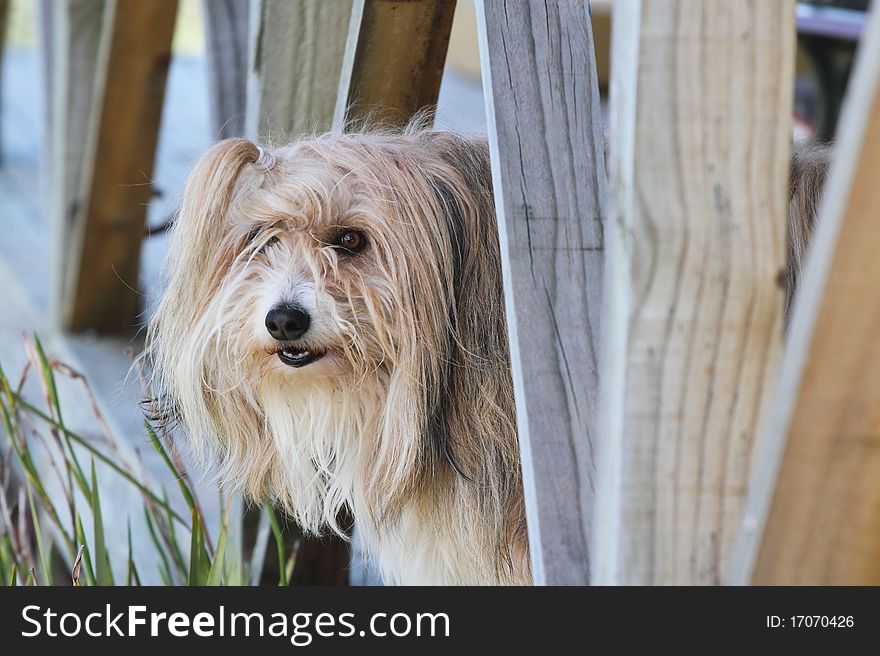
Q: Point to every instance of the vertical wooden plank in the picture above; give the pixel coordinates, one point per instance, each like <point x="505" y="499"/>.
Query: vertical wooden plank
<point x="45" y="18"/>
<point x="296" y="51"/>
<point x="701" y="98"/>
<point x="226" y="35"/>
<point x="46" y="22"/>
<point x="100" y="288"/>
<point x="394" y="60"/>
<point x="76" y="28"/>
<point x="4" y="16"/>
<point x="813" y="514"/>
<point x="546" y="144"/>
<point x="4" y="13"/>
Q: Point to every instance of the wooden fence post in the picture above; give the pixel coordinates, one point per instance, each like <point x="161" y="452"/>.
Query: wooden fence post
<point x="296" y="50"/>
<point x="226" y="38"/>
<point x="4" y="13"/>
<point x="100" y="287"/>
<point x="548" y="171"/>
<point x="394" y="60"/>
<point x="813" y="513"/>
<point x="701" y="128"/>
<point x="76" y="32"/>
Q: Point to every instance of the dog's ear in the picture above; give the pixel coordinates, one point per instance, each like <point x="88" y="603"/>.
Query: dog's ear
<point x="200" y="224"/>
<point x="475" y="386"/>
<point x="463" y="190"/>
<point x="184" y="371"/>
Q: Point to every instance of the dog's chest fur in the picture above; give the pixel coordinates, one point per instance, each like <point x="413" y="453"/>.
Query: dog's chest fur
<point x="328" y="450"/>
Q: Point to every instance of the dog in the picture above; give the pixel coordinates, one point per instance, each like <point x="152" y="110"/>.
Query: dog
<point x="807" y="176"/>
<point x="333" y="328"/>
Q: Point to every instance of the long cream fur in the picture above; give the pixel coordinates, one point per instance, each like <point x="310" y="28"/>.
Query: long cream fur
<point x="408" y="420"/>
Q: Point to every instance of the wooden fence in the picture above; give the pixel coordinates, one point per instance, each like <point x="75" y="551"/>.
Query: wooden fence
<point x="666" y="438"/>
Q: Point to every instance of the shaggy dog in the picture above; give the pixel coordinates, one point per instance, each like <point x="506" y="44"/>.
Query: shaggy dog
<point x="333" y="329"/>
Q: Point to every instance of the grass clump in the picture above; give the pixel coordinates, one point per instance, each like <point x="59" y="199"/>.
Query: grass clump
<point x="50" y="492"/>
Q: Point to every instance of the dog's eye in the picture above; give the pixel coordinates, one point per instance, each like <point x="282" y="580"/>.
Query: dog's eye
<point x="256" y="238"/>
<point x="350" y="241"/>
<point x="270" y="242"/>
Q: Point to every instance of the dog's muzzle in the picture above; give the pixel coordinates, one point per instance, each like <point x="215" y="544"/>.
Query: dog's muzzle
<point x="287" y="324"/>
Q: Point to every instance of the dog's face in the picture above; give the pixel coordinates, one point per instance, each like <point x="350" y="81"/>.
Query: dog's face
<point x="326" y="263"/>
<point x="317" y="310"/>
<point x="317" y="260"/>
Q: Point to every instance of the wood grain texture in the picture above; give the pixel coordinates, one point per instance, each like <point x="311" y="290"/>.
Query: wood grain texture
<point x="546" y="143"/>
<point x="226" y="36"/>
<point x="816" y="489"/>
<point x="296" y="51"/>
<point x="701" y="127"/>
<point x="394" y="60"/>
<point x="76" y="28"/>
<point x="101" y="285"/>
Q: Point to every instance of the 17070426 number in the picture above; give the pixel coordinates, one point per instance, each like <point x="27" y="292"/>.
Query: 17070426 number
<point x="811" y="622"/>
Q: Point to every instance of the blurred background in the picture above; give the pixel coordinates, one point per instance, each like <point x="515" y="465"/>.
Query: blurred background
<point x="196" y="110"/>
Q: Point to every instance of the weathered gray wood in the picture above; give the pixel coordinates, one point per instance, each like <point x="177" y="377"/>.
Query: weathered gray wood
<point x="394" y="59"/>
<point x="545" y="136"/>
<point x="226" y="35"/>
<point x="46" y="23"/>
<point x="700" y="140"/>
<point x="295" y="56"/>
<point x="4" y="13"/>
<point x="76" y="27"/>
<point x="813" y="512"/>
<point x="100" y="290"/>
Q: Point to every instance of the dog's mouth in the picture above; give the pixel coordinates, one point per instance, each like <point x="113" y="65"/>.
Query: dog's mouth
<point x="298" y="357"/>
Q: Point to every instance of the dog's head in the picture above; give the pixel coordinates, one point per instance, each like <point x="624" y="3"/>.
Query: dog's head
<point x="329" y="307"/>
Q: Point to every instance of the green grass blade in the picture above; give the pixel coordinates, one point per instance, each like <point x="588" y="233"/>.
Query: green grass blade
<point x="8" y="551"/>
<point x="13" y="575"/>
<point x="279" y="542"/>
<point x="103" y="573"/>
<point x="184" y="488"/>
<point x="195" y="551"/>
<point x="104" y="460"/>
<point x="174" y="546"/>
<point x="44" y="554"/>
<point x="160" y="548"/>
<point x="132" y="576"/>
<point x="32" y="477"/>
<point x="49" y="378"/>
<point x="215" y="574"/>
<point x="86" y="557"/>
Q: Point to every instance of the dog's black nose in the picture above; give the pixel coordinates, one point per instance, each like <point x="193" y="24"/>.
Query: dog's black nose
<point x="287" y="322"/>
